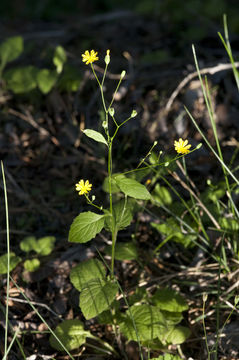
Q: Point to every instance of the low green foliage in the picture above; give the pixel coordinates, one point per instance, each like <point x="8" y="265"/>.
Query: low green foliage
<point x="10" y="50"/>
<point x="168" y="299"/>
<point x="24" y="79"/>
<point x="124" y="251"/>
<point x="97" y="296"/>
<point x="14" y="261"/>
<point x="42" y="246"/>
<point x="87" y="271"/>
<point x="32" y="264"/>
<point x="71" y="333"/>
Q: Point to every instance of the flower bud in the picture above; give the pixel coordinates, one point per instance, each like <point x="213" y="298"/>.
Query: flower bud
<point x="133" y="114"/>
<point x="107" y="57"/>
<point x="123" y="74"/>
<point x="105" y="124"/>
<point x="111" y="111"/>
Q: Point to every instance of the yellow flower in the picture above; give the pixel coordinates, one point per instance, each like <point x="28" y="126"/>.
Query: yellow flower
<point x="182" y="146"/>
<point x="89" y="57"/>
<point x="83" y="187"/>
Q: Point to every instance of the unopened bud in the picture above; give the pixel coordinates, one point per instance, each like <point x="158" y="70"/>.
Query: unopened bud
<point x="155" y="143"/>
<point x="133" y="114"/>
<point x="122" y="75"/>
<point x="111" y="111"/>
<point x="199" y="145"/>
<point x="204" y="297"/>
<point x="107" y="57"/>
<point x="105" y="124"/>
<point x="93" y="198"/>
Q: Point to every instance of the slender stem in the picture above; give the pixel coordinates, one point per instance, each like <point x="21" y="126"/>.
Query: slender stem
<point x="218" y="302"/>
<point x="204" y="327"/>
<point x="101" y="88"/>
<point x="113" y="230"/>
<point x="117" y="87"/>
<point x="10" y="345"/>
<point x="91" y="203"/>
<point x="8" y="254"/>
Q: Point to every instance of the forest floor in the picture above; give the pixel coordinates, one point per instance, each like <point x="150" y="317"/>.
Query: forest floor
<point x="45" y="153"/>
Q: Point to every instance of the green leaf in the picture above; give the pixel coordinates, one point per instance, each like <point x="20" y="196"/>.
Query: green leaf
<point x="10" y="50"/>
<point x="96" y="296"/>
<point x="95" y="135"/>
<point x="162" y="195"/>
<point x="28" y="244"/>
<point x="59" y="58"/>
<point x="70" y="79"/>
<point x="71" y="333"/>
<point x="86" y="271"/>
<point x="114" y="187"/>
<point x="149" y="321"/>
<point x="21" y="79"/>
<point x="46" y="79"/>
<point x="228" y="224"/>
<point x="14" y="260"/>
<point x="108" y="317"/>
<point x="173" y="232"/>
<point x="45" y="245"/>
<point x="131" y="187"/>
<point x="169" y="300"/>
<point x="122" y="214"/>
<point x="31" y="265"/>
<point x="176" y="335"/>
<point x="140" y="293"/>
<point x="172" y="318"/>
<point x="124" y="251"/>
<point x="85" y="226"/>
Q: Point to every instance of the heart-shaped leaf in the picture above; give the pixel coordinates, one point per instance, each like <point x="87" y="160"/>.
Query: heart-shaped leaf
<point x="86" y="271"/>
<point x="71" y="333"/>
<point x="85" y="226"/>
<point x="96" y="296"/>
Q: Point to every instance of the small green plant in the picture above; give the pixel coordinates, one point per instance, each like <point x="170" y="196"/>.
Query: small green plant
<point x="24" y="79"/>
<point x="153" y="320"/>
<point x="41" y="247"/>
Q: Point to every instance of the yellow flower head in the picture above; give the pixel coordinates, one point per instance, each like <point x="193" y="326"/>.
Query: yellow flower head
<point x="90" y="57"/>
<point x="83" y="187"/>
<point x="182" y="146"/>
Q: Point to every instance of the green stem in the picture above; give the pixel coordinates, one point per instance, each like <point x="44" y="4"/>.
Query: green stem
<point x="8" y="254"/>
<point x="91" y="203"/>
<point x="101" y="88"/>
<point x="204" y="327"/>
<point x="113" y="230"/>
